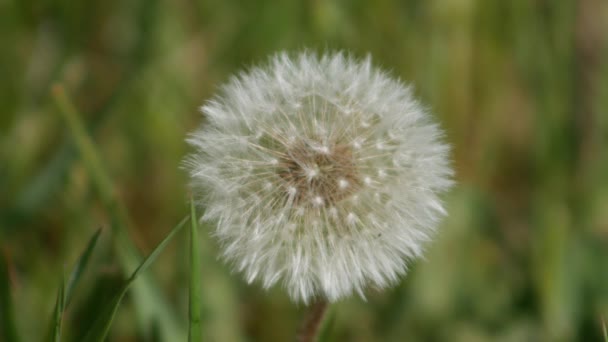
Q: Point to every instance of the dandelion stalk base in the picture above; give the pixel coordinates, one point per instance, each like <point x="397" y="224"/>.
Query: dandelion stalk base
<point x="312" y="321"/>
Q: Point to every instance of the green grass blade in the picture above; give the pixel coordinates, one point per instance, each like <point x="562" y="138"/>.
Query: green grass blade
<point x="58" y="312"/>
<point x="195" y="331"/>
<point x="604" y="330"/>
<point x="80" y="267"/>
<point x="151" y="307"/>
<point x="64" y="293"/>
<point x="8" y="328"/>
<point x="102" y="324"/>
<point x="152" y="256"/>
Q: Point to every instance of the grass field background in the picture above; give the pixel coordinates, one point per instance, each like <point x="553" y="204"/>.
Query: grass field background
<point x="520" y="86"/>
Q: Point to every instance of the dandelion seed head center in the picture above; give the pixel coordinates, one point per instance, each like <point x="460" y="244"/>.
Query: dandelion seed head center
<point x="320" y="177"/>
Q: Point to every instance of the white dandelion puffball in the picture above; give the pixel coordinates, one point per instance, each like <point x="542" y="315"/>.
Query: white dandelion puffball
<point x="321" y="173"/>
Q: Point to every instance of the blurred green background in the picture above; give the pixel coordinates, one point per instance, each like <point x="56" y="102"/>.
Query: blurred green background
<point x="520" y="86"/>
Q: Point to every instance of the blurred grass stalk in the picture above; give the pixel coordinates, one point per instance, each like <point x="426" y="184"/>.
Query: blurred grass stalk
<point x="149" y="304"/>
<point x="604" y="330"/>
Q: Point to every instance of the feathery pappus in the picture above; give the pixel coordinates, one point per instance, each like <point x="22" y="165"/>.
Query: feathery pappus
<point x="319" y="172"/>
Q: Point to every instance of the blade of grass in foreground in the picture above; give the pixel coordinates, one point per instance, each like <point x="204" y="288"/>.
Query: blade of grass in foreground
<point x="64" y="293"/>
<point x="58" y="312"/>
<point x="80" y="267"/>
<point x="194" y="333"/>
<point x="604" y="330"/>
<point x="102" y="324"/>
<point x="150" y="305"/>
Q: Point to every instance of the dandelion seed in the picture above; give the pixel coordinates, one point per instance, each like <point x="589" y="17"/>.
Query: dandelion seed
<point x="330" y="190"/>
<point x="318" y="201"/>
<point x="342" y="183"/>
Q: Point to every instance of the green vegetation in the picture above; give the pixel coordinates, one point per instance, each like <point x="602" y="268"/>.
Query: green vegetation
<point x="98" y="96"/>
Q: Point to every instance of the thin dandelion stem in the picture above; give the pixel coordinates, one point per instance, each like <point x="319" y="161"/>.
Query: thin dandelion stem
<point x="312" y="322"/>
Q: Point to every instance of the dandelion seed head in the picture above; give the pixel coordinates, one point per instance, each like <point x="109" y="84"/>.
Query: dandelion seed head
<point x="320" y="173"/>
